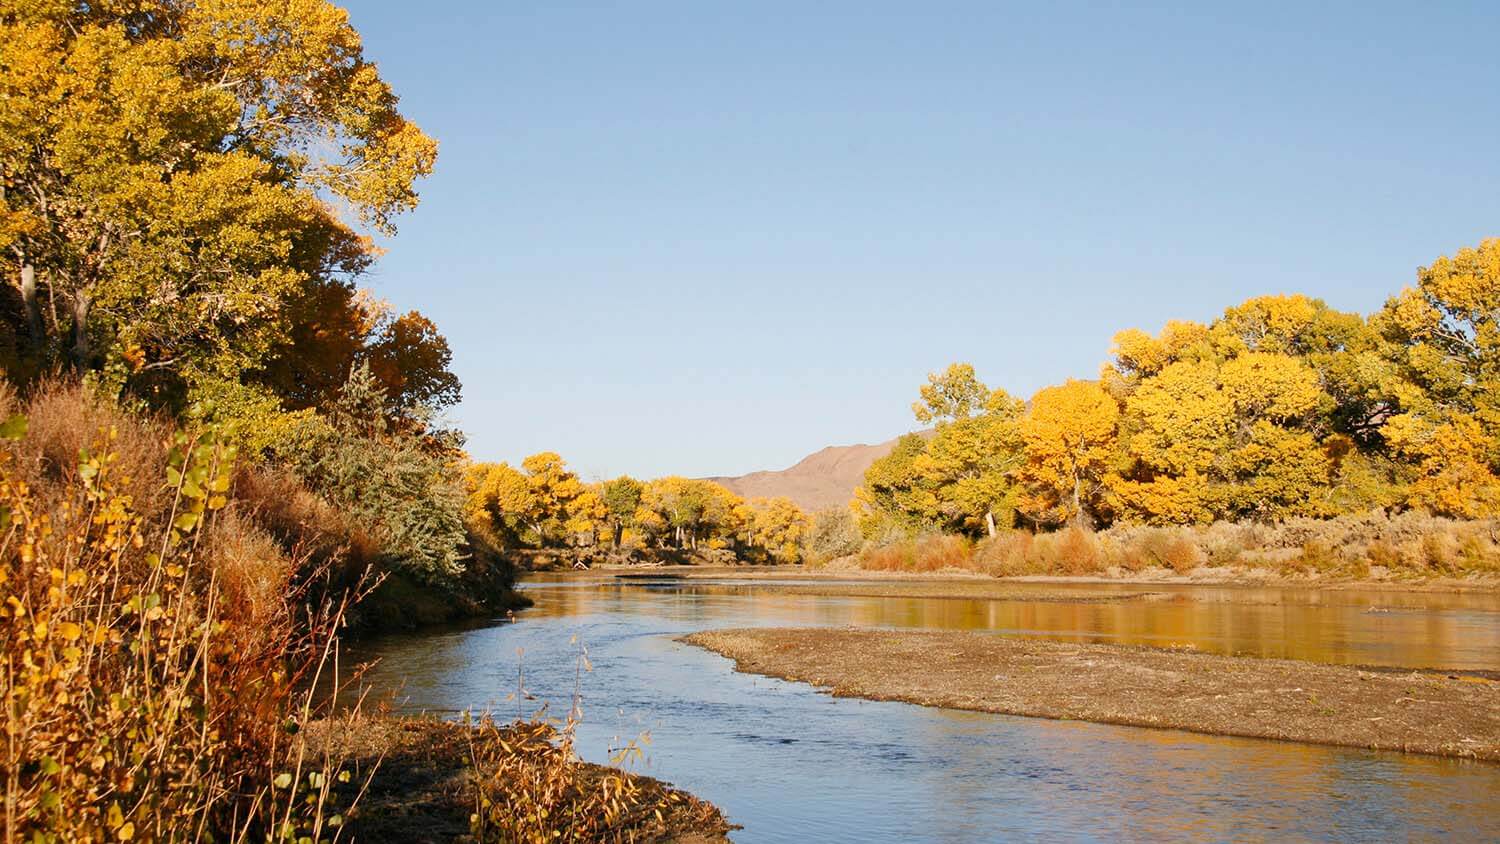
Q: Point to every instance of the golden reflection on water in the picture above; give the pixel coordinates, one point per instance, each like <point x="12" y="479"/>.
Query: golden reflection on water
<point x="1415" y="630"/>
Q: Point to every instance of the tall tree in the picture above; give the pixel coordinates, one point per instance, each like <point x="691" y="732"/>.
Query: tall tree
<point x="622" y="498"/>
<point x="953" y="395"/>
<point x="1069" y="434"/>
<point x="177" y="172"/>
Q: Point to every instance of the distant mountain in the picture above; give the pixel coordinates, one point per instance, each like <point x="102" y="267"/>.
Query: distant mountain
<point x="820" y="480"/>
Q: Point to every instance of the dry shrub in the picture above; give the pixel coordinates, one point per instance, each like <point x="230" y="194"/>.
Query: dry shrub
<point x="927" y="553"/>
<point x="1410" y="544"/>
<point x="1077" y="551"/>
<point x="1171" y="548"/>
<point x="1318" y="557"/>
<point x="336" y="545"/>
<point x="530" y="788"/>
<point x="1437" y="552"/>
<point x="935" y="552"/>
<point x="1130" y="556"/>
<point x="150" y="641"/>
<point x="895" y="557"/>
<point x="1384" y="554"/>
<point x="64" y="421"/>
<point x="1007" y="554"/>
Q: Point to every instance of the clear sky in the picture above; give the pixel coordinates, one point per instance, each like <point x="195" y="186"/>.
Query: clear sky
<point x="711" y="237"/>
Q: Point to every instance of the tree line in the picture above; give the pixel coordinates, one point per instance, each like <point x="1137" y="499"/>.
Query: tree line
<point x="543" y="504"/>
<point x="1281" y="407"/>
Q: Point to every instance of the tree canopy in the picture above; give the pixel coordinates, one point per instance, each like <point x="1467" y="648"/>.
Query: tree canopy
<point x="1281" y="407"/>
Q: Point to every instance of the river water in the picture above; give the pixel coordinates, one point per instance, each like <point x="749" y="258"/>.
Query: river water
<point x="793" y="765"/>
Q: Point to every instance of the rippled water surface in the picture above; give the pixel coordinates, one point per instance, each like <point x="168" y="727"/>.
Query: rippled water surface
<point x="794" y="765"/>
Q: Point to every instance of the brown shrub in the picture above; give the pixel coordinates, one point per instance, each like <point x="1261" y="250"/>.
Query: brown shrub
<point x="155" y="655"/>
<point x="1318" y="557"/>
<point x="895" y="557"/>
<point x="307" y="526"/>
<point x="1007" y="554"/>
<point x="1410" y="542"/>
<point x="935" y="552"/>
<point x="1077" y="551"/>
<point x="65" y="421"/>
<point x="120" y="533"/>
<point x="1437" y="552"/>
<point x="926" y="553"/>
<point x="1170" y="548"/>
<point x="1384" y="554"/>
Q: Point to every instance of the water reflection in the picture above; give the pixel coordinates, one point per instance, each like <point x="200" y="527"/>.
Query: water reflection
<point x="793" y="765"/>
<point x="1351" y="627"/>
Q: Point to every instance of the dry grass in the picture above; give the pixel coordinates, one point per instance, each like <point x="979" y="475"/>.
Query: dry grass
<point x="151" y="638"/>
<point x="927" y="553"/>
<point x="529" y="787"/>
<point x="164" y="617"/>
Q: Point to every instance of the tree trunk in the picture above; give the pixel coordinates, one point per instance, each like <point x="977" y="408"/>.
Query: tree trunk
<point x="34" y="327"/>
<point x="989" y="522"/>
<point x="81" y="350"/>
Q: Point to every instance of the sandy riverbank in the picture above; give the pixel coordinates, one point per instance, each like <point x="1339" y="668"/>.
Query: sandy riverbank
<point x="1420" y="712"/>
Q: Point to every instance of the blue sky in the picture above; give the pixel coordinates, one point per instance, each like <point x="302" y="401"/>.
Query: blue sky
<point x="707" y="238"/>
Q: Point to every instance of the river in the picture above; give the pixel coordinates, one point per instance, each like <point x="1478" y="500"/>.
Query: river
<point x="793" y="765"/>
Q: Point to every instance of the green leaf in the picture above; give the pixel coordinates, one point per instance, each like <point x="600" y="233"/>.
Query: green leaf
<point x="13" y="428"/>
<point x="282" y="780"/>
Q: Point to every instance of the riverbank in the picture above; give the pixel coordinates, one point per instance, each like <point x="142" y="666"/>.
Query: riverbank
<point x="969" y="584"/>
<point x="1441" y="714"/>
<point x="425" y="788"/>
<point x="403" y="603"/>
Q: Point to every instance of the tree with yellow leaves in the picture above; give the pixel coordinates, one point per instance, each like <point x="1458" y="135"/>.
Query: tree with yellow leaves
<point x="1443" y="336"/>
<point x="622" y="498"/>
<point x="1454" y="473"/>
<point x="543" y="502"/>
<point x="778" y="529"/>
<point x="1069" y="436"/>
<point x="961" y="478"/>
<point x="954" y="395"/>
<point x="169" y="173"/>
<point x="684" y="512"/>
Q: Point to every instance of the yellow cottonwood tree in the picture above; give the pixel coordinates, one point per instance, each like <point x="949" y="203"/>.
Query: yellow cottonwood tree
<point x="170" y="172"/>
<point x="778" y="528"/>
<point x="1069" y="435"/>
<point x="966" y="474"/>
<point x="1453" y="464"/>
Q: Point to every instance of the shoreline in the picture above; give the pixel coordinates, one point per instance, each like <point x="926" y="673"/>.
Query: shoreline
<point x="1206" y="577"/>
<point x="1429" y="712"/>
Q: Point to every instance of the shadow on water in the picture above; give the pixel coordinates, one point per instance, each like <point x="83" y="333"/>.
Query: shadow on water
<point x="794" y="765"/>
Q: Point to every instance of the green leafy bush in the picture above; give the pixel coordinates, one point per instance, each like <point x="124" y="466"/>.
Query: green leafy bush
<point x="401" y="484"/>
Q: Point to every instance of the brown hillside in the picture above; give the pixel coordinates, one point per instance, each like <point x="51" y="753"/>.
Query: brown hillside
<point x="821" y="480"/>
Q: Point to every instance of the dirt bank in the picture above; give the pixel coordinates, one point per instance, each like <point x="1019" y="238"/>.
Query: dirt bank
<point x="423" y="787"/>
<point x="1418" y="712"/>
